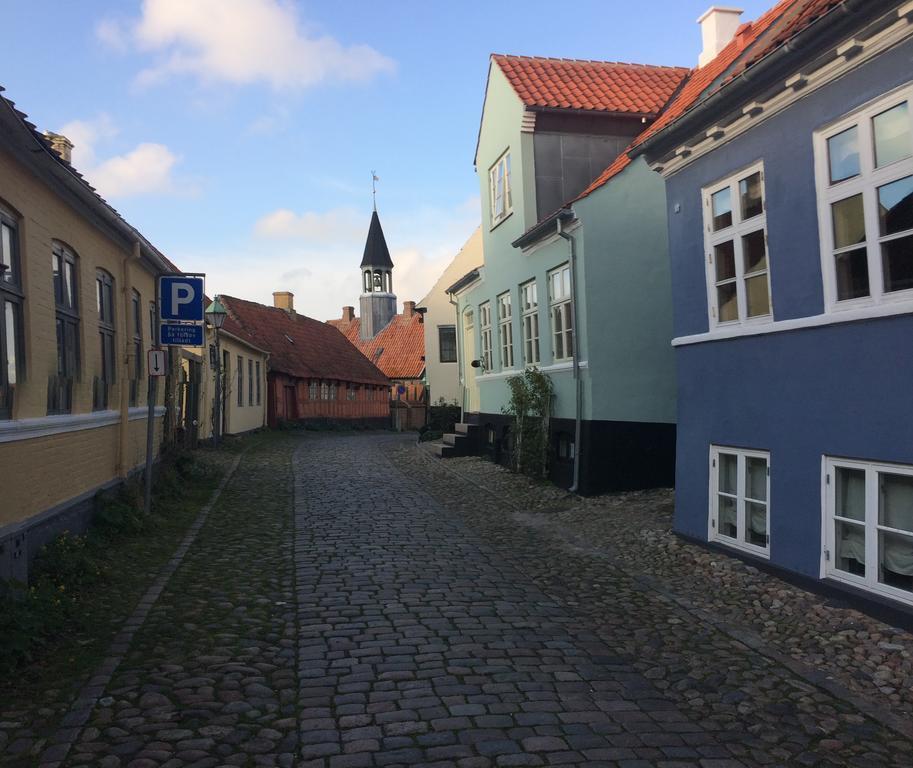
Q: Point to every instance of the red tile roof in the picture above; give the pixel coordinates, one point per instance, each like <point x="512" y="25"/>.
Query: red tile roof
<point x="298" y="345"/>
<point x="602" y="86"/>
<point x="398" y="350"/>
<point x="703" y="78"/>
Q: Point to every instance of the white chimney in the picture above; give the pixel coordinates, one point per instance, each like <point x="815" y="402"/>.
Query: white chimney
<point x="718" y="26"/>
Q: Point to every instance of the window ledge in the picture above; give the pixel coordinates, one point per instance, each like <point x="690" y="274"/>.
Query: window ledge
<point x="44" y="426"/>
<point x="500" y="221"/>
<point x="814" y="321"/>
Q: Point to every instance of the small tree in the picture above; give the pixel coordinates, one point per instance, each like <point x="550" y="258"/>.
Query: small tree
<point x="530" y="407"/>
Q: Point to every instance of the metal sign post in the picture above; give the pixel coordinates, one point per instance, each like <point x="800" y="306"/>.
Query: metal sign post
<point x="179" y="304"/>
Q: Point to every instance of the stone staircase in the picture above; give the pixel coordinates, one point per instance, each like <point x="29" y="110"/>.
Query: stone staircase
<point x="464" y="441"/>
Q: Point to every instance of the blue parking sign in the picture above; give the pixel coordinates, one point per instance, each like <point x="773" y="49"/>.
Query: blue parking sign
<point x="181" y="297"/>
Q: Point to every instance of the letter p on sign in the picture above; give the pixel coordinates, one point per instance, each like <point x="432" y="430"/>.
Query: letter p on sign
<point x="181" y="297"/>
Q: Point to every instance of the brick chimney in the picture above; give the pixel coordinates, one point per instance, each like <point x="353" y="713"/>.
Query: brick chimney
<point x="408" y="308"/>
<point x="284" y="300"/>
<point x="719" y="25"/>
<point x="348" y="314"/>
<point x="61" y="145"/>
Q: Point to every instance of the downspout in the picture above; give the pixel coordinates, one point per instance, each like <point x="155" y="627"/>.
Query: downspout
<point x="572" y="263"/>
<point x="460" y="361"/>
<point x="127" y="347"/>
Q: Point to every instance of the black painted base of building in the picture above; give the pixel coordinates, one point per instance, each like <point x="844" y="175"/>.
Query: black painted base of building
<point x="614" y="455"/>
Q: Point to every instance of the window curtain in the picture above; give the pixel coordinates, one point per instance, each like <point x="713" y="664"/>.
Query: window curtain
<point x="896" y="511"/>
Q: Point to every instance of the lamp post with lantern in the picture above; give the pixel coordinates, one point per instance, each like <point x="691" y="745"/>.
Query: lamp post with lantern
<point x="215" y="316"/>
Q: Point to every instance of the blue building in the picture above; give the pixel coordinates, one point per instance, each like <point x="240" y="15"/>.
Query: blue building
<point x="788" y="163"/>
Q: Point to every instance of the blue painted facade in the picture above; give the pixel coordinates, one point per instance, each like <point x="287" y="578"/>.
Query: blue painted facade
<point x="844" y="389"/>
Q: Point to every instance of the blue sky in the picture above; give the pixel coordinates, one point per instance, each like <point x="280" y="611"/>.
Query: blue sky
<point x="239" y="135"/>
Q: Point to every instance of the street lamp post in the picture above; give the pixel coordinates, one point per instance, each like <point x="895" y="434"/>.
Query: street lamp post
<point x="215" y="316"/>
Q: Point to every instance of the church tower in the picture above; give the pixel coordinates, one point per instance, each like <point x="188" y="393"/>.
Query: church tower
<point x="377" y="301"/>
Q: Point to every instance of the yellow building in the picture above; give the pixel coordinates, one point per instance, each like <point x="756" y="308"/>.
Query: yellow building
<point x="243" y="387"/>
<point x="77" y="289"/>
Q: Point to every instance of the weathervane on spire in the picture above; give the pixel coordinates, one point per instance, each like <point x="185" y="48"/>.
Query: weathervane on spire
<point x="374" y="179"/>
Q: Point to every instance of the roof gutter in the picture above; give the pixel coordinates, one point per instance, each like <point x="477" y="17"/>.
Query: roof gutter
<point x="459" y="285"/>
<point x="547" y="226"/>
<point x="814" y="39"/>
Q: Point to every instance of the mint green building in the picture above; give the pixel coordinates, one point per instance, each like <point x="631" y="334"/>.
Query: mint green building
<point x="576" y="276"/>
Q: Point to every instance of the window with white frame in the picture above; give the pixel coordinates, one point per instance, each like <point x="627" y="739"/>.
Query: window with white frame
<point x="529" y="307"/>
<point x="559" y="301"/>
<point x="485" y="332"/>
<point x="499" y="190"/>
<point x="865" y="203"/>
<point x="506" y="330"/>
<point x="739" y="499"/>
<point x="869" y="526"/>
<point x="735" y="242"/>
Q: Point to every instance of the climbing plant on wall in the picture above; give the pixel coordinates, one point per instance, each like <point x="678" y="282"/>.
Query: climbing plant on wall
<point x="530" y="407"/>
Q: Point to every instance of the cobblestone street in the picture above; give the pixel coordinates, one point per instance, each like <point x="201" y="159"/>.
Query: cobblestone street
<point x="351" y="602"/>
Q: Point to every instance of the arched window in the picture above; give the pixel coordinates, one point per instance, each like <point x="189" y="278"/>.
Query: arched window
<point x="136" y="318"/>
<point x="12" y="358"/>
<point x="367" y="281"/>
<point x="65" y="269"/>
<point x="105" y="378"/>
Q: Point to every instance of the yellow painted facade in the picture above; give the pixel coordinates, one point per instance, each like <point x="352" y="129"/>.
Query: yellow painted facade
<point x="45" y="460"/>
<point x="243" y="416"/>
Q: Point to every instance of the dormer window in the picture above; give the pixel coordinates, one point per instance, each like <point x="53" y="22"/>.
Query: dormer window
<point x="500" y="190"/>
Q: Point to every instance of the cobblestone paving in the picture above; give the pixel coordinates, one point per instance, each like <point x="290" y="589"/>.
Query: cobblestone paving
<point x="350" y="604"/>
<point x="210" y="677"/>
<point x="762" y="712"/>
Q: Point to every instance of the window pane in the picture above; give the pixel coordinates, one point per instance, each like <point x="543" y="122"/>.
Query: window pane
<point x="897" y="263"/>
<point x="57" y="277"/>
<point x="728" y="472"/>
<point x="850" y="493"/>
<point x="895" y="206"/>
<point x="750" y="196"/>
<point x="727" y="521"/>
<point x="892" y="135"/>
<point x="721" y="205"/>
<point x="852" y="274"/>
<point x="757" y="295"/>
<point x="6" y="255"/>
<point x="849" y="222"/>
<point x="895" y="560"/>
<point x="843" y="154"/>
<point x="12" y="334"/>
<point x="895" y="503"/>
<point x="728" y="302"/>
<point x="850" y="545"/>
<point x="756" y="524"/>
<point x="754" y="252"/>
<point x="69" y="285"/>
<point x="724" y="257"/>
<point x="565" y="282"/>
<point x="756" y="478"/>
<point x="61" y="349"/>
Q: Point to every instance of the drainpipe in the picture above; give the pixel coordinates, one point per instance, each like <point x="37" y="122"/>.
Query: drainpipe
<point x="460" y="361"/>
<point x="124" y="372"/>
<point x="572" y="264"/>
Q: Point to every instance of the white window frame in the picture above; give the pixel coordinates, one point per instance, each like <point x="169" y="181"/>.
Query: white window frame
<point x="500" y="206"/>
<point x="713" y="534"/>
<point x="529" y="309"/>
<point x="869" y="582"/>
<point x="735" y="232"/>
<point x="506" y="329"/>
<point x="866" y="183"/>
<point x="485" y="334"/>
<point x="563" y="305"/>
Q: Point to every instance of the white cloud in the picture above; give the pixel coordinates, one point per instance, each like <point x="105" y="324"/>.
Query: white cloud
<point x="113" y="34"/>
<point x="316" y="255"/>
<point x="242" y="42"/>
<point x="147" y="169"/>
<point x="340" y="226"/>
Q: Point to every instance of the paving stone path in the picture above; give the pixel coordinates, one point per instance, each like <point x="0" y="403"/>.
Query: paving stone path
<point x="348" y="604"/>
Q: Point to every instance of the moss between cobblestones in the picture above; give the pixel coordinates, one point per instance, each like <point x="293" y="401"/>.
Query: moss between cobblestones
<point x="114" y="563"/>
